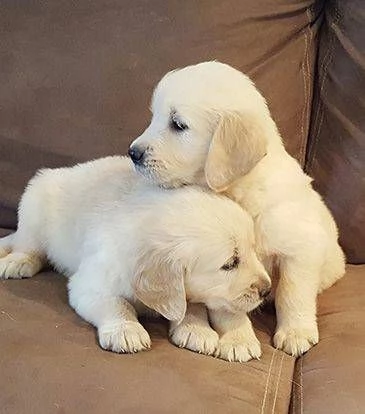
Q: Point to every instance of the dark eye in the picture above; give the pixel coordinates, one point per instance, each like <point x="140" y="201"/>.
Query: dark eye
<point x="177" y="125"/>
<point x="232" y="263"/>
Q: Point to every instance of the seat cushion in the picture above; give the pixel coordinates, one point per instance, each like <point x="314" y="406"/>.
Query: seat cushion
<point x="330" y="377"/>
<point x="50" y="361"/>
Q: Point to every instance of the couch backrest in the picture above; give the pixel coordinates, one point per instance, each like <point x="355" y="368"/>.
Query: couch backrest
<point x="336" y="150"/>
<point x="76" y="77"/>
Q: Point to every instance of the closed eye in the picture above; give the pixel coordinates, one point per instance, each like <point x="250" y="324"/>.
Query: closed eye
<point x="176" y="124"/>
<point x="231" y="264"/>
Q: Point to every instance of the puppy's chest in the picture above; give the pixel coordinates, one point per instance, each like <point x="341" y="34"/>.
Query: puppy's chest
<point x="144" y="311"/>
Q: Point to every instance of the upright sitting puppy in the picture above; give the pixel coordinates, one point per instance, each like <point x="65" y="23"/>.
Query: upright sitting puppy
<point x="125" y="244"/>
<point x="211" y="126"/>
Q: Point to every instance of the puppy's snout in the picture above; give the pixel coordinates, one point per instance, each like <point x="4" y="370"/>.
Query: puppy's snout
<point x="136" y="154"/>
<point x="263" y="287"/>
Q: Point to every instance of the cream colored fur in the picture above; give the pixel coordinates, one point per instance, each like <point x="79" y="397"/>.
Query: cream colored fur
<point x="229" y="141"/>
<point x="128" y="246"/>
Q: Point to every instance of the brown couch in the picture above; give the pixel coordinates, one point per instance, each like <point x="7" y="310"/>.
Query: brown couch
<point x="76" y="79"/>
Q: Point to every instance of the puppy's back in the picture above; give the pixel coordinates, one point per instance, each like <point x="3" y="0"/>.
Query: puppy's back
<point x="190" y="211"/>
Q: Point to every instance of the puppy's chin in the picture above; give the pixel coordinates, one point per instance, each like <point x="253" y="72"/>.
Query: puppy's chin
<point x="235" y="307"/>
<point x="246" y="307"/>
<point x="155" y="175"/>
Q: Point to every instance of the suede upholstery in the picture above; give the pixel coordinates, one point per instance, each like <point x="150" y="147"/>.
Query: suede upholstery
<point x="77" y="78"/>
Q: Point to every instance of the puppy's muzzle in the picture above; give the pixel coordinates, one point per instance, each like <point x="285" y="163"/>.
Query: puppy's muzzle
<point x="263" y="288"/>
<point x="137" y="154"/>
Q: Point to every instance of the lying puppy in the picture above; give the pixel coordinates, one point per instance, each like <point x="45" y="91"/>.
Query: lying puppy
<point x="211" y="126"/>
<point x="127" y="245"/>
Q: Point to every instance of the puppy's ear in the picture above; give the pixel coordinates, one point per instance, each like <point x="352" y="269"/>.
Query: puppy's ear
<point x="238" y="144"/>
<point x="159" y="284"/>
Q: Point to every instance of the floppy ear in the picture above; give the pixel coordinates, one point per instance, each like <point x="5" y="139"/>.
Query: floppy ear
<point x="238" y="144"/>
<point x="159" y="284"/>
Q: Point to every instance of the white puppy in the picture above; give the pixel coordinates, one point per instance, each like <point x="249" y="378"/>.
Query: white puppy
<point x="126" y="244"/>
<point x="211" y="126"/>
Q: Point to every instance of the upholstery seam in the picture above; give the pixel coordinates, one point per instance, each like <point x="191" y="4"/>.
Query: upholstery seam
<point x="294" y="397"/>
<point x="322" y="94"/>
<point x="297" y="387"/>
<point x="267" y="381"/>
<point x="322" y="91"/>
<point x="306" y="85"/>
<point x="319" y="108"/>
<point x="277" y="383"/>
<point x="305" y="101"/>
<point x="324" y="63"/>
<point x="301" y="388"/>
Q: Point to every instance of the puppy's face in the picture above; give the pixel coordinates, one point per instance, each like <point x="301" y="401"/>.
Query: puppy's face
<point x="206" y="128"/>
<point x="204" y="254"/>
<point x="172" y="150"/>
<point x="226" y="273"/>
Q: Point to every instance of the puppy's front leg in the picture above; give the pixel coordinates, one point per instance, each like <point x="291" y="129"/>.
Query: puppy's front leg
<point x="237" y="341"/>
<point x="114" y="317"/>
<point x="295" y="302"/>
<point x="194" y="331"/>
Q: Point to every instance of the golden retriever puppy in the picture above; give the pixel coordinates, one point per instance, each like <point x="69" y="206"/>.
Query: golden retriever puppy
<point x="212" y="127"/>
<point x="128" y="246"/>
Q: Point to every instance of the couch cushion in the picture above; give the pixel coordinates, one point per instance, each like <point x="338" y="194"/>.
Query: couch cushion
<point x="50" y="362"/>
<point x="336" y="156"/>
<point x="330" y="377"/>
<point x="77" y="76"/>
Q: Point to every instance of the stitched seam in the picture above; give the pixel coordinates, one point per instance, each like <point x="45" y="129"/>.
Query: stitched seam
<point x="267" y="382"/>
<point x="322" y="94"/>
<point x="319" y="111"/>
<point x="321" y="73"/>
<point x="301" y="388"/>
<point x="277" y="384"/>
<point x="322" y="90"/>
<point x="306" y="78"/>
<point x="296" y="386"/>
<point x="310" y="87"/>
<point x="294" y="396"/>
<point x="304" y="103"/>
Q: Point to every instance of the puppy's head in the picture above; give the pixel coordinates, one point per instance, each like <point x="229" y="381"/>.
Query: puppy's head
<point x="201" y="250"/>
<point x="209" y="125"/>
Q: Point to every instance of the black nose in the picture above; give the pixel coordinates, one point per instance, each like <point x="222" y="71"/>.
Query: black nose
<point x="264" y="293"/>
<point x="136" y="154"/>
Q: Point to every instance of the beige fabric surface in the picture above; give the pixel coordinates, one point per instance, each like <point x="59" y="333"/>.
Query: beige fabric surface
<point x="50" y="362"/>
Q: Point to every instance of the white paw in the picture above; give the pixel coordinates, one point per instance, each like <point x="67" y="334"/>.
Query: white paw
<point x="239" y="346"/>
<point x="197" y="338"/>
<point x="126" y="337"/>
<point x="19" y="265"/>
<point x="296" y="341"/>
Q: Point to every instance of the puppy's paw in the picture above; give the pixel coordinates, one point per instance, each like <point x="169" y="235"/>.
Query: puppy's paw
<point x="239" y="346"/>
<point x="19" y="265"/>
<point x="197" y="338"/>
<point x="126" y="337"/>
<point x="296" y="341"/>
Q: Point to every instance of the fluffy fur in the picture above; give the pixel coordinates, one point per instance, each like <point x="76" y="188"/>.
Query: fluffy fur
<point x="128" y="246"/>
<point x="211" y="126"/>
